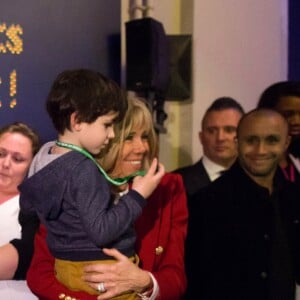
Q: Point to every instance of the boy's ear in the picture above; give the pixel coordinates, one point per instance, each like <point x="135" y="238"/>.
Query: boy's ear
<point x="75" y="125"/>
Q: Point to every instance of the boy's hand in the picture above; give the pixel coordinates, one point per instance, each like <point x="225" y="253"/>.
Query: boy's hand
<point x="145" y="185"/>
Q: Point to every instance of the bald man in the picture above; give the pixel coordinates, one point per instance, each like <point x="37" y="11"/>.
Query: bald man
<point x="248" y="240"/>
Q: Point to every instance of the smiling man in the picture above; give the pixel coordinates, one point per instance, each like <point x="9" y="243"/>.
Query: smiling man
<point x="248" y="244"/>
<point x="262" y="139"/>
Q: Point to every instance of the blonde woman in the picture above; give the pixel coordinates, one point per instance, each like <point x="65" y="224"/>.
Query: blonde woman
<point x="161" y="229"/>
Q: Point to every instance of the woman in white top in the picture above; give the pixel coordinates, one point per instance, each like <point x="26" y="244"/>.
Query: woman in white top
<point x="18" y="144"/>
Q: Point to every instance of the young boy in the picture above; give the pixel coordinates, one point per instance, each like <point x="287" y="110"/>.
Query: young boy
<point x="67" y="190"/>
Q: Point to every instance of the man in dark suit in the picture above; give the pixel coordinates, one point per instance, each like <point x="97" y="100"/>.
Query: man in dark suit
<point x="217" y="137"/>
<point x="245" y="226"/>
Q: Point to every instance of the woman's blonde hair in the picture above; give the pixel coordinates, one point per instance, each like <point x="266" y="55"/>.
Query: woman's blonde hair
<point x="137" y="116"/>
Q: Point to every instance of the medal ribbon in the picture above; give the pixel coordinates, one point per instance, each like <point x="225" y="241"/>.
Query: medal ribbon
<point x="116" y="181"/>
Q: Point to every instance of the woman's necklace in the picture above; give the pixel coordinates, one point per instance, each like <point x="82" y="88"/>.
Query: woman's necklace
<point x="116" y="181"/>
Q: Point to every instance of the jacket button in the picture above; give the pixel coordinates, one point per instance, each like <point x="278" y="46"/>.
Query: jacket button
<point x="159" y="250"/>
<point x="266" y="237"/>
<point x="296" y="222"/>
<point x="263" y="275"/>
<point x="61" y="296"/>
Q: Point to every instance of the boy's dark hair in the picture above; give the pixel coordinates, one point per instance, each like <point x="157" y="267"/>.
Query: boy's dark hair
<point x="272" y="94"/>
<point x="88" y="93"/>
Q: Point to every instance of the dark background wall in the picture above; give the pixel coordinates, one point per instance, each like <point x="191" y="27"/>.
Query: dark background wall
<point x="294" y="40"/>
<point x="41" y="38"/>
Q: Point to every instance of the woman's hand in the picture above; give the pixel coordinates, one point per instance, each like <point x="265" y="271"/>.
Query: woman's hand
<point x="122" y="276"/>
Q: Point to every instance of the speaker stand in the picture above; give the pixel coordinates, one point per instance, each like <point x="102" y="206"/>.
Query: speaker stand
<point x="156" y="105"/>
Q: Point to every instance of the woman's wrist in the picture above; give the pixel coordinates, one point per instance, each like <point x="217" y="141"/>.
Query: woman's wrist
<point x="146" y="284"/>
<point x="152" y="290"/>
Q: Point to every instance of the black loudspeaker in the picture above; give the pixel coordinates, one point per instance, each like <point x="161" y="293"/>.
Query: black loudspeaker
<point x="180" y="49"/>
<point x="147" y="56"/>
